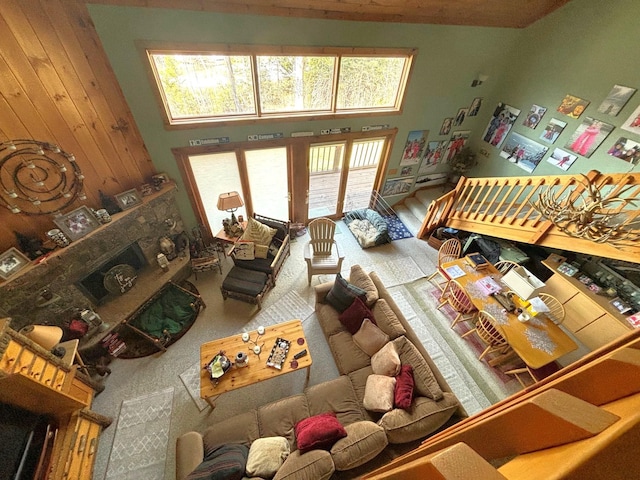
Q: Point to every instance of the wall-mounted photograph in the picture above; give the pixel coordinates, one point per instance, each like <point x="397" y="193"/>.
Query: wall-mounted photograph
<point x="573" y="106"/>
<point x="588" y="136"/>
<point x="523" y="151"/>
<point x="532" y="119"/>
<point x="474" y="108"/>
<point x="616" y="100"/>
<point x="561" y="159"/>
<point x="446" y="126"/>
<point x="456" y="144"/>
<point x="414" y="148"/>
<point x="504" y="116"/>
<point x="626" y="150"/>
<point x="553" y="130"/>
<point x="435" y="154"/>
<point x="397" y="186"/>
<point x="404" y="171"/>
<point x="460" y="116"/>
<point x="632" y="124"/>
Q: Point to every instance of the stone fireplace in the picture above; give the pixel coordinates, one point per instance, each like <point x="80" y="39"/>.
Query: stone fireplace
<point x="73" y="274"/>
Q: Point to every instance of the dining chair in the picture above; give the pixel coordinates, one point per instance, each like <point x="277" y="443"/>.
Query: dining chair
<point x="536" y="374"/>
<point x="490" y="333"/>
<point x="448" y="251"/>
<point x="556" y="311"/>
<point x="503" y="266"/>
<point x="458" y="299"/>
<point x="322" y="253"/>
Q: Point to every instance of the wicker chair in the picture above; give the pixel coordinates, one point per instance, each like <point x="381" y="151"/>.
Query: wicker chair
<point x="457" y="297"/>
<point x="448" y="251"/>
<point x="490" y="333"/>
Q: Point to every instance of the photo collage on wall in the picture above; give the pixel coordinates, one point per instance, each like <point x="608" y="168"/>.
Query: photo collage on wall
<point x="587" y="137"/>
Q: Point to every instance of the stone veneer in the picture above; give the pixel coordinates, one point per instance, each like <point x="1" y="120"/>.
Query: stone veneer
<point x="144" y="225"/>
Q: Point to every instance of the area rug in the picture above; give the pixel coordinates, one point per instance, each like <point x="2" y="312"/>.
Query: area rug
<point x="191" y="380"/>
<point x="291" y="306"/>
<point x="142" y="435"/>
<point x="397" y="229"/>
<point x="398" y="271"/>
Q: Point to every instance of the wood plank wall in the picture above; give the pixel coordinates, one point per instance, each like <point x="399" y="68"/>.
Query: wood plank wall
<point x="56" y="86"/>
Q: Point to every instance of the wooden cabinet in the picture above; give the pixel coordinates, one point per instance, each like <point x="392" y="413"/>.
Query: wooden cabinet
<point x="588" y="315"/>
<point x="33" y="379"/>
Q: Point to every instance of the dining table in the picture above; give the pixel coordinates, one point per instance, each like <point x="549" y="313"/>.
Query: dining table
<point x="537" y="341"/>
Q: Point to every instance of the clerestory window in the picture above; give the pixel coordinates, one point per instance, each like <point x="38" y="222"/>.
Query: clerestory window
<point x="198" y="86"/>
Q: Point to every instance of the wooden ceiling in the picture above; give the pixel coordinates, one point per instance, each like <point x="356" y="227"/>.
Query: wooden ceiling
<point x="484" y="13"/>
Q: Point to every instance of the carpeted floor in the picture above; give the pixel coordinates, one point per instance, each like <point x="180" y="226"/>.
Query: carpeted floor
<point x="402" y="263"/>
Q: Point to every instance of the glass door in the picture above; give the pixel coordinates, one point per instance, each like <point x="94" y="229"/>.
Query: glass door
<point x="363" y="166"/>
<point x="268" y="181"/>
<point x="325" y="167"/>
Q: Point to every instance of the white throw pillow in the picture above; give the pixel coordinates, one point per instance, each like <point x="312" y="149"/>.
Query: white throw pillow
<point x="386" y="361"/>
<point x="266" y="456"/>
<point x="378" y="393"/>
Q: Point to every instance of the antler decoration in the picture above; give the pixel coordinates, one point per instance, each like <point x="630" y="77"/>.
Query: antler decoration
<point x="586" y="213"/>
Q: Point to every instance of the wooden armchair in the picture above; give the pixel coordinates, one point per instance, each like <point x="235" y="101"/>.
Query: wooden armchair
<point x="322" y="253"/>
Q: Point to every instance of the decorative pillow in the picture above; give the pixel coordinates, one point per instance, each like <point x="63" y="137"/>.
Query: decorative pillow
<point x="355" y="313"/>
<point x="386" y="361"/>
<point x="378" y="393"/>
<point x="320" y="431"/>
<point x="425" y="381"/>
<point x="244" y="250"/>
<point x="258" y="232"/>
<point x="266" y="456"/>
<point x="370" y="338"/>
<point x="342" y="294"/>
<point x="260" y="251"/>
<point x="403" y="394"/>
<point x="227" y="462"/>
<point x="360" y="278"/>
<point x="275" y="247"/>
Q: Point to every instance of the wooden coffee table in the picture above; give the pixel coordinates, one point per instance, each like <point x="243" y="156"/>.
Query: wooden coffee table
<point x="256" y="370"/>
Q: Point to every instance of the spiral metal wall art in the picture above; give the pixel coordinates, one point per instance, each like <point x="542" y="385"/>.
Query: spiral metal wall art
<point x="37" y="178"/>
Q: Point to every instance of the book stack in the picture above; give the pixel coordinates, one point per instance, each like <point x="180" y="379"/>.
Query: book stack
<point x="114" y="344"/>
<point x="477" y="261"/>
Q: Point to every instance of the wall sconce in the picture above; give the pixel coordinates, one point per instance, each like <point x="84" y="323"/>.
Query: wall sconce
<point x="479" y="80"/>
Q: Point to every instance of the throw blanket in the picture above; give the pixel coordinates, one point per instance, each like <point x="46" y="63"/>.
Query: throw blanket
<point x="364" y="231"/>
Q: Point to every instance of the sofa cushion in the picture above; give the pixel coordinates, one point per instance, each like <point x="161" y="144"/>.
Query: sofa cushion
<point x="266" y="456"/>
<point x="424" y="417"/>
<point x="241" y="428"/>
<point x="316" y="464"/>
<point x="319" y="432"/>
<point x="369" y="338"/>
<point x="328" y="319"/>
<point x="403" y="394"/>
<point x="343" y="293"/>
<point x="226" y="462"/>
<point x="279" y="418"/>
<point x="337" y="396"/>
<point x="425" y="382"/>
<point x="364" y="441"/>
<point x="361" y="279"/>
<point x="353" y="316"/>
<point x="386" y="361"/>
<point x="346" y="354"/>
<point x="260" y="251"/>
<point x="378" y="393"/>
<point x="258" y="232"/>
<point x="387" y="319"/>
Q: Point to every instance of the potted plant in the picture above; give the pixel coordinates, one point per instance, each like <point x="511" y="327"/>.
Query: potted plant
<point x="462" y="161"/>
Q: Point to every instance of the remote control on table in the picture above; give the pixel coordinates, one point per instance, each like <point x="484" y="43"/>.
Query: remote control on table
<point x="300" y="354"/>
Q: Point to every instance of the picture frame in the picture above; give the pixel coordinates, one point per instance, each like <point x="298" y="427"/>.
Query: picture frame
<point x="129" y="199"/>
<point x="77" y="223"/>
<point x="11" y="262"/>
<point x="620" y="305"/>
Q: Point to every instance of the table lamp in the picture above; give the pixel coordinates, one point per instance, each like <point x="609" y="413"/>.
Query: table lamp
<point x="230" y="202"/>
<point x="44" y="335"/>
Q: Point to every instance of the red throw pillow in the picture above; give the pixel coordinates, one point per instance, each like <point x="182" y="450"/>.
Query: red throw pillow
<point x="320" y="431"/>
<point x="353" y="316"/>
<point x="403" y="394"/>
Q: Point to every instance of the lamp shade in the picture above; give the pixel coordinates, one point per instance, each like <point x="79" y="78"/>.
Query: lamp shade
<point x="44" y="335"/>
<point x="229" y="201"/>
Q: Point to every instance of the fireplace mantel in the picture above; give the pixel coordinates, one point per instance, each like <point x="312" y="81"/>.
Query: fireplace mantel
<point x="64" y="267"/>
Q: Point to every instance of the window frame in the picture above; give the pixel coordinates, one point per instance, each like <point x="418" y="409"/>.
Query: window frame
<point x="253" y="51"/>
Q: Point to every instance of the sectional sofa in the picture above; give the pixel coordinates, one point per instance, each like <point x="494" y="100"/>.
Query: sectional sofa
<point x="367" y="433"/>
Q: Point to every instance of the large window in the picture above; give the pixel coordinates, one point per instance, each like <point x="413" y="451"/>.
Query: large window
<point x="212" y="86"/>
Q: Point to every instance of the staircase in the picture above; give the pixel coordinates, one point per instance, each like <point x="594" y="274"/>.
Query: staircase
<point x="582" y="423"/>
<point x="413" y="210"/>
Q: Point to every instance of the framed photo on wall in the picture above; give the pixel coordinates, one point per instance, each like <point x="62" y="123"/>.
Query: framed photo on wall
<point x="128" y="199"/>
<point x="11" y="262"/>
<point x="77" y="223"/>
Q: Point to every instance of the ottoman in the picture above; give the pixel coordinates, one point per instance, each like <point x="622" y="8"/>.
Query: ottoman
<point x="246" y="285"/>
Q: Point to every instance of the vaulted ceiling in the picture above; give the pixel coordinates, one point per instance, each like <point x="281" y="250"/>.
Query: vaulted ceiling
<point x="485" y="13"/>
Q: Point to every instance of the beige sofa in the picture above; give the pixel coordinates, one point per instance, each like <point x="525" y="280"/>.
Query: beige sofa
<point x="368" y="433"/>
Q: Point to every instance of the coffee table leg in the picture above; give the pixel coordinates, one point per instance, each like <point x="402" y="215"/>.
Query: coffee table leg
<point x="306" y="382"/>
